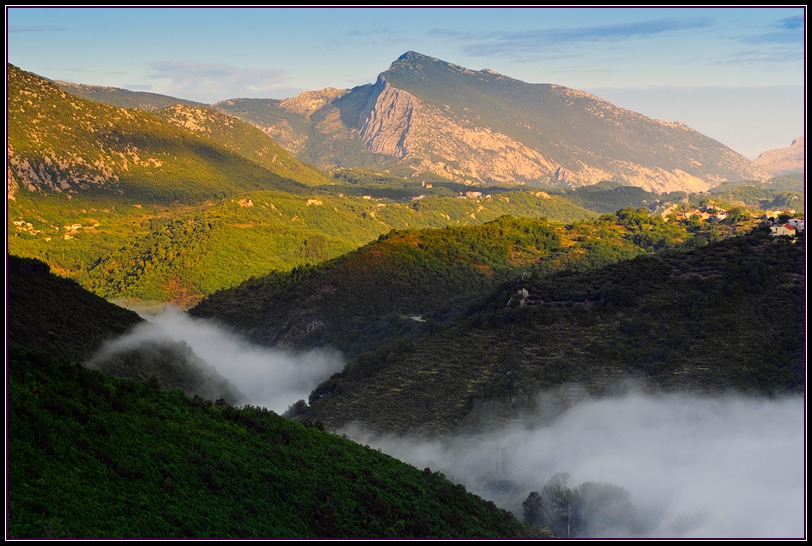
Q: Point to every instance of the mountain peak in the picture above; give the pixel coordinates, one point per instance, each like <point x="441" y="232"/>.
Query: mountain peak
<point x="411" y="55"/>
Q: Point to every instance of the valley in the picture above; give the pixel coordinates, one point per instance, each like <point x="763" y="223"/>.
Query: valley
<point x="438" y="305"/>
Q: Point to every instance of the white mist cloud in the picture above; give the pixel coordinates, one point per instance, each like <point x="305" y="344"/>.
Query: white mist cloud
<point x="724" y="467"/>
<point x="270" y="378"/>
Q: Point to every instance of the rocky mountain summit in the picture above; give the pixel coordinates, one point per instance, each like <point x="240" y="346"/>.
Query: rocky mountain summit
<point x="783" y="160"/>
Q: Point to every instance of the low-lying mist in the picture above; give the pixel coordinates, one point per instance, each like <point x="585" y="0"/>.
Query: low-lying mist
<point x="713" y="467"/>
<point x="268" y="377"/>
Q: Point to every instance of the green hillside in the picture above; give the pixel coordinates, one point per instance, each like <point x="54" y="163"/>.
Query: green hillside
<point x="57" y="316"/>
<point x="406" y="281"/>
<point x="726" y="316"/>
<point x="58" y="142"/>
<point x="244" y="140"/>
<point x="93" y="456"/>
<point x="773" y="196"/>
<point x="608" y="197"/>
<point x="181" y="258"/>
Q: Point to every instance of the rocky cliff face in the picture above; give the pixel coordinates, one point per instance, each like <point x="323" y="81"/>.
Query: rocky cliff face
<point x="784" y="160"/>
<point x="397" y="123"/>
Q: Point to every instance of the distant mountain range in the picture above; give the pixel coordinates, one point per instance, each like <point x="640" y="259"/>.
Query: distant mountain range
<point x="427" y="117"/>
<point x="784" y="160"/>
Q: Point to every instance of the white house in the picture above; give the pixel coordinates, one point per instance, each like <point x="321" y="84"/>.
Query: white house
<point x="782" y="229"/>
<point x="797" y="223"/>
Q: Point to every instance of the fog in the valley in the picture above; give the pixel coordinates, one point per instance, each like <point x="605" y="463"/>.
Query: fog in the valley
<point x="717" y="467"/>
<point x="268" y="377"/>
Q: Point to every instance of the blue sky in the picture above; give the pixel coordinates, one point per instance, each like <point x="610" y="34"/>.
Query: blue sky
<point x="735" y="74"/>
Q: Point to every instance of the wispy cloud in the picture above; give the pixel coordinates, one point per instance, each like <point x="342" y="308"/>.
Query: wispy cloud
<point x="34" y="28"/>
<point x="792" y="23"/>
<point x="512" y="42"/>
<point x="214" y="80"/>
<point x="789" y="30"/>
<point x="767" y="57"/>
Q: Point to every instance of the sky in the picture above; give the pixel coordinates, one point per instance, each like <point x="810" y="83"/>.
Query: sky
<point x="736" y="74"/>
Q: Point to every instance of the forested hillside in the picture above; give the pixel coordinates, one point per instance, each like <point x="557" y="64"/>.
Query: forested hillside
<point x="95" y="457"/>
<point x="406" y="281"/>
<point x="697" y="320"/>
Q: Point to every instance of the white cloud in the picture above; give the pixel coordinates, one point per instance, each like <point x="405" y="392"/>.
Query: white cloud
<point x="704" y="467"/>
<point x="210" y="82"/>
<point x="270" y="378"/>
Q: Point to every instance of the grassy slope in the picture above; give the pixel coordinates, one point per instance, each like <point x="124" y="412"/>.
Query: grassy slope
<point x="183" y="259"/>
<point x="245" y="140"/>
<point x="124" y="98"/>
<point x="60" y="142"/>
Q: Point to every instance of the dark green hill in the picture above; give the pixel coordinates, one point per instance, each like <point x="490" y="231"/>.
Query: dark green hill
<point x="727" y="316"/>
<point x="405" y="281"/>
<point x="91" y="456"/>
<point x="775" y="195"/>
<point x="57" y="315"/>
<point x="60" y="318"/>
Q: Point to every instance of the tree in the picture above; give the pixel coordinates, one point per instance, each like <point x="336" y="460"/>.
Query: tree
<point x="553" y="507"/>
<point x="592" y="509"/>
<point x="604" y="510"/>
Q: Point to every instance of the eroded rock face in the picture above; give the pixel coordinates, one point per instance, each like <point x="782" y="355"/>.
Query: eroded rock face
<point x="399" y="124"/>
<point x="309" y="102"/>
<point x="783" y="160"/>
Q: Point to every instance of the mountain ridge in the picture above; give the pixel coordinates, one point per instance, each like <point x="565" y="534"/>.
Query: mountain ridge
<point x="431" y="116"/>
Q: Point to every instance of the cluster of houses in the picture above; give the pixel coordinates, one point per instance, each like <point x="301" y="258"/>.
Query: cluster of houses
<point x="706" y="212"/>
<point x="791" y="227"/>
<point x="710" y="213"/>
